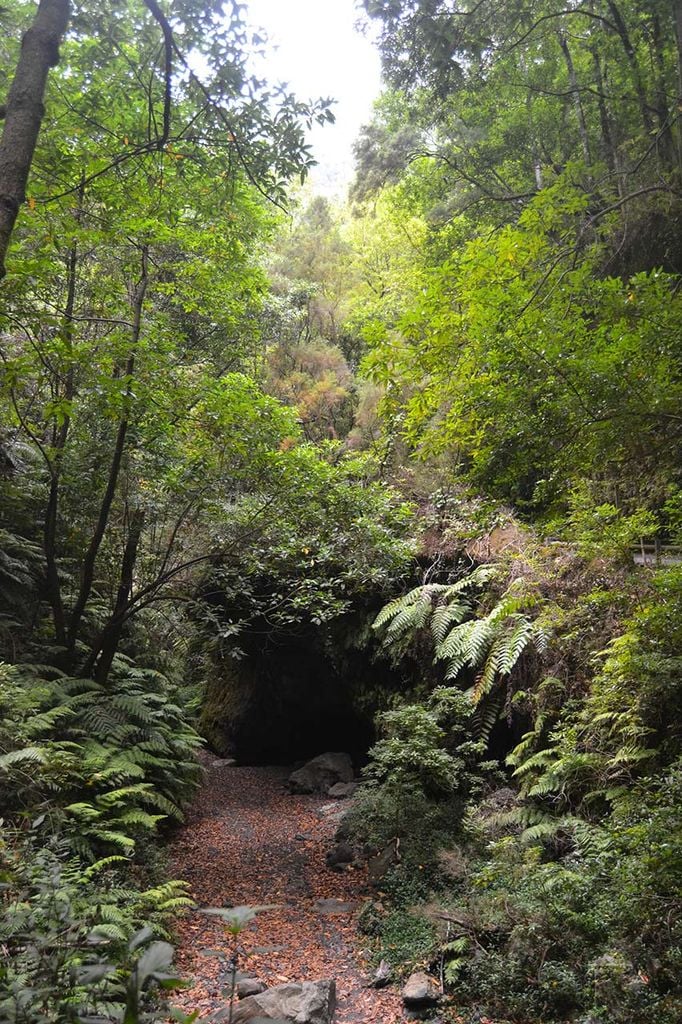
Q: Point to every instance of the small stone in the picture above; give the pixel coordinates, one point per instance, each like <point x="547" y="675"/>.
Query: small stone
<point x="382" y="975"/>
<point x="340" y="856"/>
<point x="249" y="987"/>
<point x="223" y="762"/>
<point x="420" y="991"/>
<point x="332" y="812"/>
<point x="342" y="790"/>
<point x="381" y="863"/>
<point x="333" y="906"/>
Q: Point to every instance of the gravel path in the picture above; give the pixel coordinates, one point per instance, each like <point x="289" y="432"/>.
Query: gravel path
<point x="248" y="841"/>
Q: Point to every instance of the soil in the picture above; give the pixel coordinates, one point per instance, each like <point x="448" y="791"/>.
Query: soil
<point x="248" y="841"/>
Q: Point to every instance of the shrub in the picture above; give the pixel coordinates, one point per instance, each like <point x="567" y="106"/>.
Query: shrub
<point x="419" y="777"/>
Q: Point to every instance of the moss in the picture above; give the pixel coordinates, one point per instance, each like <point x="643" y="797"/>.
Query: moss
<point x="227" y="699"/>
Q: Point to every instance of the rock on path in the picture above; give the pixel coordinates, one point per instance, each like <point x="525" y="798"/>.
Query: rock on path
<point x="249" y="841"/>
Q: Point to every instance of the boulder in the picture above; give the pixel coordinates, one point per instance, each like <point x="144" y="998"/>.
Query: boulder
<point x="310" y="1002"/>
<point x="342" y="790"/>
<point x="322" y="772"/>
<point x="249" y="987"/>
<point x="420" y="991"/>
<point x="340" y="857"/>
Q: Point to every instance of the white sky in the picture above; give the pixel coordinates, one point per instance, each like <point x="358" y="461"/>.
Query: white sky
<point x="315" y="48"/>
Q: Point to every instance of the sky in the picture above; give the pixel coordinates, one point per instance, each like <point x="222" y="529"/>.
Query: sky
<point x="315" y="48"/>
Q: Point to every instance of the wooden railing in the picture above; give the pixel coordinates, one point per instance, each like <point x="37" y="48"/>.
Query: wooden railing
<point x="656" y="553"/>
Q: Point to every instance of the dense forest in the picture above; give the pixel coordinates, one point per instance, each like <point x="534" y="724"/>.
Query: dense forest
<point x="398" y="475"/>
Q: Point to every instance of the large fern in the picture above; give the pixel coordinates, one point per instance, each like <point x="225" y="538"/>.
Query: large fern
<point x="110" y="763"/>
<point x="471" y="643"/>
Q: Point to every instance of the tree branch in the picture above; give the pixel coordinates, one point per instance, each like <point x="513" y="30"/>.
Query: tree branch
<point x="156" y="12"/>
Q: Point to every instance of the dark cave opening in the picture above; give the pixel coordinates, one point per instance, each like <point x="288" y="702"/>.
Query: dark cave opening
<point x="290" y="700"/>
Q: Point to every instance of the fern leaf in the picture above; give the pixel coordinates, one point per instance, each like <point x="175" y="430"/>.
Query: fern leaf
<point x="32" y="755"/>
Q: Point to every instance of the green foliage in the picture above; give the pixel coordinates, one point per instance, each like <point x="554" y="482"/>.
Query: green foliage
<point x="531" y="373"/>
<point x="585" y="929"/>
<point x="515" y="294"/>
<point x="602" y="530"/>
<point x="324" y="537"/>
<point x="495" y="116"/>
<point x="627" y="725"/>
<point x="470" y="642"/>
<point x="87" y="773"/>
<point x="104" y="764"/>
<point x="419" y="777"/>
<point x="74" y="953"/>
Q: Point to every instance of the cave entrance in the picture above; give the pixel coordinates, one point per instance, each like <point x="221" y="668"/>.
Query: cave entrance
<point x="291" y="700"/>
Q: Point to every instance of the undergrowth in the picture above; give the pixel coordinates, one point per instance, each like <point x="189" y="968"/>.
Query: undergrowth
<point x="90" y="774"/>
<point x="553" y="894"/>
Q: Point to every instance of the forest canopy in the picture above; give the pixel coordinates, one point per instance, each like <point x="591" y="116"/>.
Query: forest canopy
<point x="411" y="458"/>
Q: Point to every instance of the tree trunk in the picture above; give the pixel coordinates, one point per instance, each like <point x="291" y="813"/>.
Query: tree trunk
<point x="635" y="69"/>
<point x="24" y="111"/>
<point x="604" y="119"/>
<point x="677" y="16"/>
<point x="88" y="570"/>
<point x="108" y="641"/>
<point x="665" y="121"/>
<point x="54" y="592"/>
<point x="577" y="102"/>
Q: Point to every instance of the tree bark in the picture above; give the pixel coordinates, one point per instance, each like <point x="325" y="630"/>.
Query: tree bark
<point x="604" y="119"/>
<point x="677" y="17"/>
<point x="577" y="102"/>
<point x="24" y="111"/>
<point x="108" y="641"/>
<point x="88" y="570"/>
<point x="54" y="592"/>
<point x="635" y="69"/>
<point x="665" y="121"/>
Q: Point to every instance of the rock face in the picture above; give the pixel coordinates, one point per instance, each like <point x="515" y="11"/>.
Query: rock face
<point x="320" y="774"/>
<point x="311" y="1002"/>
<point x="420" y="991"/>
<point x="288" y="701"/>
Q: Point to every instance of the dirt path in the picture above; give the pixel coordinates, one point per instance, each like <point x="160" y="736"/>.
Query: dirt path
<point x="250" y="842"/>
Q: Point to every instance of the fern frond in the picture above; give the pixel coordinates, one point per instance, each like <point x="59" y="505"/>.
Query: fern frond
<point x="113" y="932"/>
<point x="445" y="616"/>
<point x="32" y="755"/>
<point x="485" y="716"/>
<point x="101" y="865"/>
<point x="138" y="818"/>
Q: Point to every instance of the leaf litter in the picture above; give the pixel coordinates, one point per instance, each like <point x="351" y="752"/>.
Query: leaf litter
<point x="249" y="843"/>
